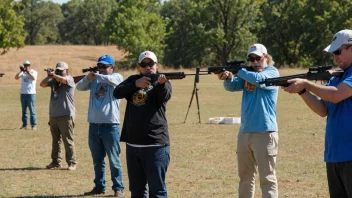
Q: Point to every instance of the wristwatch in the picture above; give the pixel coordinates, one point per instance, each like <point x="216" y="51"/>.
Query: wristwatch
<point x="302" y="92"/>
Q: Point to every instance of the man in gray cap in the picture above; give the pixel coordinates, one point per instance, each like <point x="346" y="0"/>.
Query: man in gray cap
<point x="28" y="92"/>
<point x="62" y="112"/>
<point x="334" y="101"/>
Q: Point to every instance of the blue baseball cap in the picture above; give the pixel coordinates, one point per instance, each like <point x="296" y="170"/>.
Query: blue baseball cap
<point x="106" y="60"/>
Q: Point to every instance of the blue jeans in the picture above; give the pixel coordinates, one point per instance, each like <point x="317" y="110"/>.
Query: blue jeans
<point x="104" y="139"/>
<point x="147" y="165"/>
<point x="28" y="100"/>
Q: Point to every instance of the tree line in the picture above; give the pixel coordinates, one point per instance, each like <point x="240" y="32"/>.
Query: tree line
<point x="183" y="33"/>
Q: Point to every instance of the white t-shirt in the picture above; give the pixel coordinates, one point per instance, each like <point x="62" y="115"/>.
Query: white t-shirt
<point x="28" y="85"/>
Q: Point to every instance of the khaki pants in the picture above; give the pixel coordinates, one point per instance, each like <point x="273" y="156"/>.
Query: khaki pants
<point x="62" y="131"/>
<point x="257" y="151"/>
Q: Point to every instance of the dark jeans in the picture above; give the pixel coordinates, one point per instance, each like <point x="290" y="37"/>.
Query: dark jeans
<point x="28" y="101"/>
<point x="340" y="179"/>
<point x="147" y="165"/>
<point x="104" y="139"/>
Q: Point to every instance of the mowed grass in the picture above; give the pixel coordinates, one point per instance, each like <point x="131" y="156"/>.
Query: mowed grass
<point x="203" y="156"/>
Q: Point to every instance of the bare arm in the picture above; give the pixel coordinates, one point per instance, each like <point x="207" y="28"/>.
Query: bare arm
<point x="315" y="104"/>
<point x="44" y="82"/>
<point x="18" y="75"/>
<point x="61" y="79"/>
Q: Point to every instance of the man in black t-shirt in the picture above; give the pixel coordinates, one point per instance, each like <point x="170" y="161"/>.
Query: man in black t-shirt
<point x="145" y="128"/>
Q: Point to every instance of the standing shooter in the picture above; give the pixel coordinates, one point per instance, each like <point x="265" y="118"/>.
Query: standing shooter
<point x="28" y="92"/>
<point x="257" y="142"/>
<point x="104" y="124"/>
<point x="334" y="101"/>
<point x="62" y="113"/>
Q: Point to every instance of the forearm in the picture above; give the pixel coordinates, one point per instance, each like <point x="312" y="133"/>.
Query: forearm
<point x="44" y="82"/>
<point x="30" y="76"/>
<point x="18" y="75"/>
<point x="61" y="79"/>
<point x="315" y="104"/>
<point x="328" y="93"/>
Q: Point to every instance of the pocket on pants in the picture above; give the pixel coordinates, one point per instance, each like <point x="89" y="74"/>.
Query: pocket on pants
<point x="273" y="145"/>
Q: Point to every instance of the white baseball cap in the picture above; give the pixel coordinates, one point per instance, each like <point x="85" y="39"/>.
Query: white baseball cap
<point x="26" y="62"/>
<point x="147" y="54"/>
<point x="341" y="38"/>
<point x="257" y="49"/>
<point x="61" y="66"/>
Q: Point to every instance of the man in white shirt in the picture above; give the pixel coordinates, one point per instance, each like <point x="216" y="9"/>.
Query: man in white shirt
<point x="28" y="91"/>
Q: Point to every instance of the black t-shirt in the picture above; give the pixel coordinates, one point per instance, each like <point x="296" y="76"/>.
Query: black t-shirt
<point x="145" y="121"/>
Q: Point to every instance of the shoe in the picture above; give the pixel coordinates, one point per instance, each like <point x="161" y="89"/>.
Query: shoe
<point x="119" y="193"/>
<point x="34" y="128"/>
<point x="53" y="166"/>
<point x="72" y="167"/>
<point x="95" y="191"/>
<point x="24" y="127"/>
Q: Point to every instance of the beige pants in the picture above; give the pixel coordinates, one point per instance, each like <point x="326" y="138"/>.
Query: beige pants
<point x="257" y="151"/>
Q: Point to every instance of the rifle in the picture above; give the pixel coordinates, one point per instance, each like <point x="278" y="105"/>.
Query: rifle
<point x="90" y="69"/>
<point x="1" y="74"/>
<point x="170" y="75"/>
<point x="76" y="79"/>
<point x="316" y="73"/>
<point x="232" y="66"/>
<point x="49" y="69"/>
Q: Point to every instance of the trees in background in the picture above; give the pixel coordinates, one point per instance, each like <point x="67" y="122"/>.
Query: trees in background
<point x="11" y="26"/>
<point x="183" y="33"/>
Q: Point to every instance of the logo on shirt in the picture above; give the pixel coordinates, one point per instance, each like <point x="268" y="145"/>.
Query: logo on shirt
<point x="141" y="96"/>
<point x="249" y="86"/>
<point x="101" y="91"/>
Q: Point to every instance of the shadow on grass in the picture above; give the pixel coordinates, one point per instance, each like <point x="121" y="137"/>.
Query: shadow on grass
<point x="62" y="196"/>
<point x="22" y="169"/>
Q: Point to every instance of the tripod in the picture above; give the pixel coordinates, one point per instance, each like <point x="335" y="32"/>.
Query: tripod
<point x="194" y="92"/>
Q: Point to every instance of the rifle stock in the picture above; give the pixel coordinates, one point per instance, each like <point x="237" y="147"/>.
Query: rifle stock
<point x="76" y="79"/>
<point x="2" y="74"/>
<point x="321" y="73"/>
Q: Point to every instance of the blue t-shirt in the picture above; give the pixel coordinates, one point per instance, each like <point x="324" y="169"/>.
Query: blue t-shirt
<point x="258" y="109"/>
<point x="338" y="136"/>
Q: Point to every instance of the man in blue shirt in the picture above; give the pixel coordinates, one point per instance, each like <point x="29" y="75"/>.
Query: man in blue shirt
<point x="257" y="142"/>
<point x="334" y="101"/>
<point x="104" y="124"/>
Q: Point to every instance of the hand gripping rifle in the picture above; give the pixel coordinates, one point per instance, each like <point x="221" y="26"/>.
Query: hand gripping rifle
<point x="94" y="69"/>
<point x="316" y="73"/>
<point x="2" y="74"/>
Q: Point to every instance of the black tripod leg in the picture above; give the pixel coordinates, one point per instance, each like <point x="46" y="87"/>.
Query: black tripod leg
<point x="190" y="103"/>
<point x="198" y="104"/>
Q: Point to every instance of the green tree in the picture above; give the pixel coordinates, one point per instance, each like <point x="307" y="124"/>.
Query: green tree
<point x="136" y="26"/>
<point x="41" y="21"/>
<point x="11" y="27"/>
<point x="209" y="31"/>
<point x="84" y="21"/>
<point x="297" y="31"/>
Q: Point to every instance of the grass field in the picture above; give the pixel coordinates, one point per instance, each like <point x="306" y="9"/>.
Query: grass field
<point x="203" y="156"/>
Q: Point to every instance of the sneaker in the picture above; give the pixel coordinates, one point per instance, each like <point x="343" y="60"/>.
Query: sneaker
<point x="24" y="127"/>
<point x="34" y="128"/>
<point x="119" y="193"/>
<point x="72" y="167"/>
<point x="95" y="191"/>
<point x="53" y="166"/>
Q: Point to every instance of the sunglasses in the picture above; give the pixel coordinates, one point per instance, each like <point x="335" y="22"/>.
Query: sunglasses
<point x="102" y="66"/>
<point x="252" y="59"/>
<point x="26" y="65"/>
<point x="143" y="64"/>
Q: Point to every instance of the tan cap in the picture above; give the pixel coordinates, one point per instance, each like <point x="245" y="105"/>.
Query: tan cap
<point x="61" y="66"/>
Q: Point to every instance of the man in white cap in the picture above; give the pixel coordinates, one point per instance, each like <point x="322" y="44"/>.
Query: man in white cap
<point x="62" y="113"/>
<point x="28" y="92"/>
<point x="334" y="101"/>
<point x="145" y="128"/>
<point x="257" y="142"/>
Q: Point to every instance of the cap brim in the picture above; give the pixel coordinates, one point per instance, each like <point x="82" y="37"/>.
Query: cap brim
<point x="60" y="68"/>
<point x="104" y="62"/>
<point x="332" y="48"/>
<point x="256" y="53"/>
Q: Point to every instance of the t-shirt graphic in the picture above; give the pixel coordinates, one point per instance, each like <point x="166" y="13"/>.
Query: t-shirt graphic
<point x="100" y="93"/>
<point x="56" y="89"/>
<point x="26" y="79"/>
<point x="249" y="86"/>
<point x="140" y="96"/>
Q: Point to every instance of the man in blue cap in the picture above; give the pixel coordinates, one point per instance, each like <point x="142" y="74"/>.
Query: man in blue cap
<point x="104" y="124"/>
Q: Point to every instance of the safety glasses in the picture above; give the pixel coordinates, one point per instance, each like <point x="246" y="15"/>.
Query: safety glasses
<point x="144" y="65"/>
<point x="252" y="59"/>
